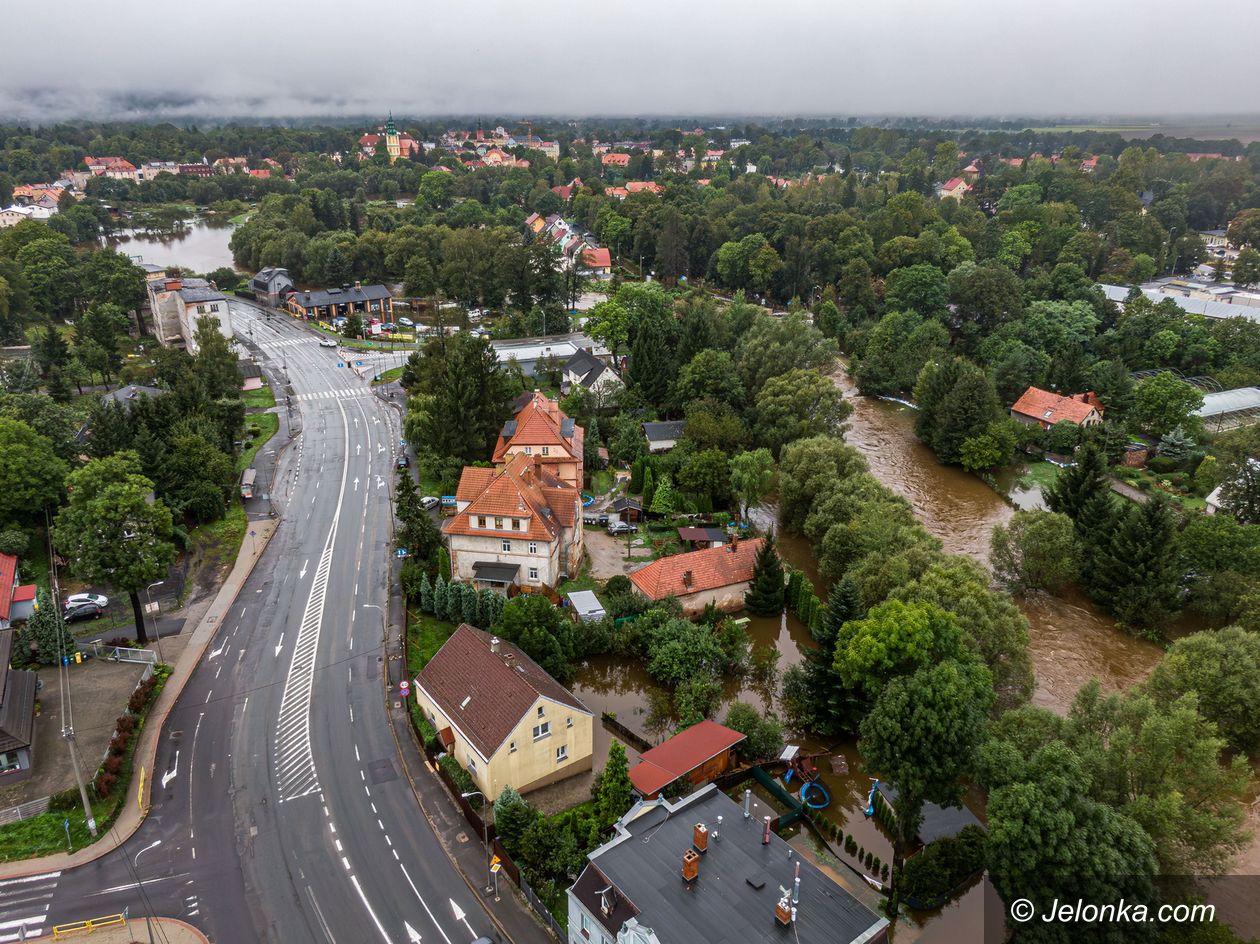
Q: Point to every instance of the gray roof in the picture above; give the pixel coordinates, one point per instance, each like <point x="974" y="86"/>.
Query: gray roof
<point x="582" y="362"/>
<point x="267" y="276"/>
<point x="1229" y="401"/>
<point x="342" y="296"/>
<point x="198" y="295"/>
<point x="734" y="897"/>
<point x="585" y="601"/>
<point x="660" y="432"/>
<point x="125" y="395"/>
<point x="1194" y="306"/>
<point x="495" y="572"/>
<point x="17" y="700"/>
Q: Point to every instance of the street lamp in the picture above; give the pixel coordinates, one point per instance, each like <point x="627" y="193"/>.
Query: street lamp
<point x="485" y="835"/>
<point x="157" y="636"/>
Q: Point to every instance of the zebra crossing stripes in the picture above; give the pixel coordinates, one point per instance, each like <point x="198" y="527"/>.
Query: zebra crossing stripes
<point x="343" y="394"/>
<point x="24" y="904"/>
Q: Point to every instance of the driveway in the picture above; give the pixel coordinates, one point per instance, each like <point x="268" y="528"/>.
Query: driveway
<point x="607" y="554"/>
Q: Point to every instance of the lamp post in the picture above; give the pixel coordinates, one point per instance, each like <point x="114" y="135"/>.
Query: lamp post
<point x="485" y="835"/>
<point x="157" y="636"/>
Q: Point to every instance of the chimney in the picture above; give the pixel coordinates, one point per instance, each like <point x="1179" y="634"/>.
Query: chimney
<point x="765" y="831"/>
<point x="783" y="911"/>
<point x="700" y="838"/>
<point x="796" y="886"/>
<point x="747" y="803"/>
<point x="494" y="645"/>
<point x="717" y="833"/>
<point x="357" y="284"/>
<point x="174" y="285"/>
<point x="690" y="866"/>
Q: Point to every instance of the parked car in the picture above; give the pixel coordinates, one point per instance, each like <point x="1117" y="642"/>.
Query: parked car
<point x="389" y="326"/>
<point x="84" y="611"/>
<point x="76" y="599"/>
<point x="621" y="527"/>
<point x="406" y="322"/>
<point x="327" y="342"/>
<point x="429" y="502"/>
<point x="402" y="462"/>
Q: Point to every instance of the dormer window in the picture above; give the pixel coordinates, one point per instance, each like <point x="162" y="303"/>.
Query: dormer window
<point x="481" y="521"/>
<point x="516" y="524"/>
<point x="498" y="523"/>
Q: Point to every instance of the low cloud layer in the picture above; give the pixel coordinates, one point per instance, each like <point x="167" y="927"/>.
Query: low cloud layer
<point x="818" y="57"/>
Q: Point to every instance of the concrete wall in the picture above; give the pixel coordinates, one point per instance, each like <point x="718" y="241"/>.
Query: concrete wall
<point x="467" y="550"/>
<point x="728" y="599"/>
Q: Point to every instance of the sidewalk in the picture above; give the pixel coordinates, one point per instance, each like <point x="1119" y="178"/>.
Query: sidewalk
<point x="168" y="930"/>
<point x="131" y="817"/>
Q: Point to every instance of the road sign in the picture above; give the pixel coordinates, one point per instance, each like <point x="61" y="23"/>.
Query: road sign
<point x="494" y="869"/>
<point x="404" y="688"/>
<point x="495" y="860"/>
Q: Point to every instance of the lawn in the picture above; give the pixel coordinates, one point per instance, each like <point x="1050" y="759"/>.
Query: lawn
<point x="602" y="482"/>
<point x="425" y="635"/>
<point x="1039" y="475"/>
<point x="268" y="425"/>
<point x="223" y="536"/>
<point x="388" y="376"/>
<point x="581" y="582"/>
<point x="262" y="398"/>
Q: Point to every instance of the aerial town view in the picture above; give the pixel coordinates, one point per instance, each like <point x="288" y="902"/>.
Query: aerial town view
<point x="681" y="474"/>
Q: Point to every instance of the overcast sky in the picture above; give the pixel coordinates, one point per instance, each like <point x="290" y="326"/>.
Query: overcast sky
<point x="649" y="57"/>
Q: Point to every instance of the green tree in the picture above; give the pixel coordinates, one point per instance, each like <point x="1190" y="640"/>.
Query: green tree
<point x="113" y="531"/>
<point x="765" y="592"/>
<point x="991" y="448"/>
<point x="1036" y="551"/>
<point x="1247" y="268"/>
<point x="651" y="359"/>
<point x="797" y="405"/>
<point x="710" y="374"/>
<point x="1078" y="483"/>
<point x="751" y="475"/>
<point x="1240" y="491"/>
<point x="47" y="631"/>
<point x="772" y="347"/>
<point x="707" y="473"/>
<point x="665" y="499"/>
<point x="1164" y="402"/>
<point x="31" y="473"/>
<point x="922" y="735"/>
<point x="541" y="631"/>
<point x="614" y="792"/>
<point x="1134" y="574"/>
<point x="919" y="288"/>
<point x="512" y="815"/>
<point x="896" y="639"/>
<point x="957" y="402"/>
<point x="51" y="349"/>
<point x="763" y="732"/>
<point x="896" y="349"/>
<point x="215" y="361"/>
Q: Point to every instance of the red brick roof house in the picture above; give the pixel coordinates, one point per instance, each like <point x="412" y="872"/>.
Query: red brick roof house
<point x="617" y="193"/>
<point x="598" y="262"/>
<point x="701" y="753"/>
<point x="501" y="715"/>
<point x="639" y="186"/>
<point x="541" y="429"/>
<point x="17" y="601"/>
<point x="955" y="188"/>
<point x="717" y="575"/>
<point x="514" y="527"/>
<point x="1089" y="164"/>
<point x="1045" y="408"/>
<point x="615" y="159"/>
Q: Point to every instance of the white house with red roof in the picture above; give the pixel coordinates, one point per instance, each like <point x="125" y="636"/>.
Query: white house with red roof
<point x="716" y="575"/>
<point x="514" y="527"/>
<point x="541" y="429"/>
<point x="1043" y="408"/>
<point x="955" y="189"/>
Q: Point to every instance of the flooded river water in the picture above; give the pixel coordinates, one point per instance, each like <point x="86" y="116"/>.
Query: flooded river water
<point x="203" y="247"/>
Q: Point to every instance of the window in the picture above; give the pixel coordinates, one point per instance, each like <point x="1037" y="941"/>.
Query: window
<point x="498" y="523"/>
<point x="472" y="765"/>
<point x="546" y="450"/>
<point x="562" y="753"/>
<point x="568" y="722"/>
<point x="9" y="761"/>
<point x="507" y="546"/>
<point x="542" y="730"/>
<point x="529" y="450"/>
<point x="201" y="309"/>
<point x="516" y="524"/>
<point x="481" y="521"/>
<point x="540" y="711"/>
<point x="533" y="547"/>
<point x="533" y="573"/>
<point x="511" y="747"/>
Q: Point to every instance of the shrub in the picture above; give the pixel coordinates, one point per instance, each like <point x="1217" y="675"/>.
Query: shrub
<point x="14" y="542"/>
<point x="460" y="777"/>
<point x="943" y="866"/>
<point x="113" y="765"/>
<point x="1145" y="485"/>
<point x="104" y="783"/>
<point x="124" y="724"/>
<point x="118" y="744"/>
<point x="63" y="801"/>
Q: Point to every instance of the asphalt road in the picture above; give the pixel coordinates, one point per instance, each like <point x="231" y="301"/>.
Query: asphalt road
<point x="279" y="811"/>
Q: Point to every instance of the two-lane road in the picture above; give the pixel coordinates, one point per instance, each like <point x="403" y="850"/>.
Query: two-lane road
<point x="279" y="809"/>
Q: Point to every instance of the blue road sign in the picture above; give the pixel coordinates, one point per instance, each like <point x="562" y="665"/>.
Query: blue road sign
<point x="340" y="364"/>
<point x="358" y="363"/>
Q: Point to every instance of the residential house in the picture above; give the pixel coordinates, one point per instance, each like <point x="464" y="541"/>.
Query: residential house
<point x="515" y="528"/>
<point x="717" y="575"/>
<point x="12" y="215"/>
<point x="1089" y="165"/>
<point x="642" y="186"/>
<point x="17" y="715"/>
<point x="616" y="193"/>
<point x="271" y="286"/>
<point x="179" y="304"/>
<point x="955" y="189"/>
<point x="597" y="263"/>
<point x="494" y="157"/>
<point x="505" y="720"/>
<point x="115" y="168"/>
<point x="372" y="301"/>
<point x="17" y="600"/>
<point x="533" y="355"/>
<point x="700" y="753"/>
<point x="697" y="539"/>
<point x="663" y="436"/>
<point x="586" y="370"/>
<point x="1043" y="408"/>
<point x="125" y="396"/>
<point x="615" y="159"/>
<point x="540" y="429"/>
<point x="153" y="272"/>
<point x="147" y="172"/>
<point x="698" y="869"/>
<point x="535" y="223"/>
<point x="566" y="191"/>
<point x="196" y="170"/>
<point x="1215" y="238"/>
<point x="711" y="157"/>
<point x="231" y="165"/>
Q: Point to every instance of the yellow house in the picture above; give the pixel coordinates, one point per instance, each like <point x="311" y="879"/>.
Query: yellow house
<point x="506" y="721"/>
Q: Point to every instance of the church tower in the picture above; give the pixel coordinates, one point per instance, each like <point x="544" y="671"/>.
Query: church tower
<point x="392" y="145"/>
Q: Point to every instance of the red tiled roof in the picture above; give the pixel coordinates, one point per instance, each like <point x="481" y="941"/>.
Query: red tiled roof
<point x="472" y="482"/>
<point x="24" y="592"/>
<point x="483" y="694"/>
<point x="1047" y="407"/>
<point x="635" y="186"/>
<point x="523" y="489"/>
<point x="615" y="160"/>
<point x="953" y="182"/>
<point x="8" y="577"/>
<point x="538" y="423"/>
<point x="681" y="754"/>
<point x="597" y="258"/>
<point x="709" y="569"/>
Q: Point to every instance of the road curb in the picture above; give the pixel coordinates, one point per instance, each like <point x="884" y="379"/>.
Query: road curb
<point x="134" y="813"/>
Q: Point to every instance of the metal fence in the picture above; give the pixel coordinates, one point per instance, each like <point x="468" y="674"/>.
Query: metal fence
<point x="541" y="910"/>
<point x="122" y="654"/>
<point x="14" y="814"/>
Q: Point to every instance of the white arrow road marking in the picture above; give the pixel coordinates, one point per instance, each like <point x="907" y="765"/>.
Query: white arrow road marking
<point x="358" y="448"/>
<point x="460" y="916"/>
<point x="280" y="644"/>
<point x="412" y="934"/>
<point x="380" y="449"/>
<point x="380" y="482"/>
<point x="356" y="483"/>
<point x="170" y="774"/>
<point x="216" y="653"/>
<point x="302" y="572"/>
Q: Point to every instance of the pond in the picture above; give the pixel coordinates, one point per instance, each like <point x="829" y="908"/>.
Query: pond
<point x="203" y="247"/>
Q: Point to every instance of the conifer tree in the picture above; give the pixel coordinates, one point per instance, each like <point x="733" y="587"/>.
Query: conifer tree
<point x="649" y="487"/>
<point x="614" y="793"/>
<point x="765" y="592"/>
<point x="1076" y="484"/>
<point x="426" y="593"/>
<point x="843" y="605"/>
<point x="439" y="598"/>
<point x="1135" y="575"/>
<point x="470" y="603"/>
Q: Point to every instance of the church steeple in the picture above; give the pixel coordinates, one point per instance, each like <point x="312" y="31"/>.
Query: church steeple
<point x="389" y="125"/>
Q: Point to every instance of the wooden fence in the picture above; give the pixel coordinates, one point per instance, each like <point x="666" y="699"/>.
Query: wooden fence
<point x="633" y="738"/>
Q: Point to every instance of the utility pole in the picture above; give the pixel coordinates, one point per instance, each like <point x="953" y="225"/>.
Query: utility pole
<point x="67" y="732"/>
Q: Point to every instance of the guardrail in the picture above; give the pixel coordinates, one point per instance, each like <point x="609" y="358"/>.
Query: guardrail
<point x="122" y="653"/>
<point x="62" y="931"/>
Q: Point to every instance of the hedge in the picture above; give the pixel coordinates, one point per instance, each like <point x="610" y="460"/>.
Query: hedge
<point x="935" y="873"/>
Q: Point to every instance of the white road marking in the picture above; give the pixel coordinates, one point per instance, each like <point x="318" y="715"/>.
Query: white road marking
<point x="355" y="882"/>
<point x="172" y="773"/>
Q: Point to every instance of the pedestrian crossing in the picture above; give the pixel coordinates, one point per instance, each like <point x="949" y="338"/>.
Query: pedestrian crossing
<point x="285" y="343"/>
<point x="343" y="394"/>
<point x="24" y="904"/>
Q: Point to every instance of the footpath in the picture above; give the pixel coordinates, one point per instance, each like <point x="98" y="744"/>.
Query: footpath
<point x="130" y="930"/>
<point x="509" y="910"/>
